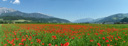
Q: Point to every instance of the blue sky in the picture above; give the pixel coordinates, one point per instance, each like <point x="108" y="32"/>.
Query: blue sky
<point x="69" y="9"/>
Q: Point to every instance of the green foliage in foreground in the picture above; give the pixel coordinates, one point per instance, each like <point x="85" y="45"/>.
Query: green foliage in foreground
<point x="90" y="34"/>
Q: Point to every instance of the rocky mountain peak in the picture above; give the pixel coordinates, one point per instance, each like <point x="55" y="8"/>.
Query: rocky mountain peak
<point x="6" y="10"/>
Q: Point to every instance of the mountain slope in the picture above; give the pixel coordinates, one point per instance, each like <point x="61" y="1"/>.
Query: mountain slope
<point x="6" y="10"/>
<point x="114" y="18"/>
<point x="83" y="20"/>
<point x="18" y="13"/>
<point x="12" y="15"/>
<point x="90" y="20"/>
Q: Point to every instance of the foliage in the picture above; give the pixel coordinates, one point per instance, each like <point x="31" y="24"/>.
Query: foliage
<point x="64" y="35"/>
<point x="124" y="20"/>
<point x="33" y="20"/>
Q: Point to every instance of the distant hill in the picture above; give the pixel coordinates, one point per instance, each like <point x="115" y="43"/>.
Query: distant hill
<point x="124" y="20"/>
<point x="84" y="20"/>
<point x="87" y="20"/>
<point x="7" y="14"/>
<point x="114" y="18"/>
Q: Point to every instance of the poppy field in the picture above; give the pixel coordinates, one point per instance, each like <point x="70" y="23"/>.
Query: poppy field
<point x="63" y="35"/>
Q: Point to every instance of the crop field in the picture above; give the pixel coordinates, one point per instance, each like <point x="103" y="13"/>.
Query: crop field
<point x="63" y="35"/>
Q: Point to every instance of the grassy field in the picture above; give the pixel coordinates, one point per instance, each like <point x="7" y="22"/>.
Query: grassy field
<point x="63" y="35"/>
<point x="1" y="33"/>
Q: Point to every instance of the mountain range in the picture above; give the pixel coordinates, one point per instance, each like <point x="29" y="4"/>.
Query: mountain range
<point x="6" y="10"/>
<point x="11" y="15"/>
<point x="112" y="18"/>
<point x="84" y="20"/>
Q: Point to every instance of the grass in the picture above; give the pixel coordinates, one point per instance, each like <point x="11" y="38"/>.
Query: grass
<point x="64" y="34"/>
<point x="0" y="33"/>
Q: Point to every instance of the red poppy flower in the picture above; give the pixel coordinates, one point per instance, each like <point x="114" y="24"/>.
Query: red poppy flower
<point x="103" y="38"/>
<point x="42" y="43"/>
<point x="66" y="39"/>
<point x="54" y="37"/>
<point x="31" y="42"/>
<point x="66" y="44"/>
<point x="91" y="40"/>
<point x="21" y="44"/>
<point x="107" y="41"/>
<point x="98" y="44"/>
<point x="49" y="44"/>
<point x="108" y="44"/>
<point x="5" y="44"/>
<point x="61" y="44"/>
<point x="56" y="45"/>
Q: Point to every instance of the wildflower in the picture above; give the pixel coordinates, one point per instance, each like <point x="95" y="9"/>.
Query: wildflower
<point x="13" y="44"/>
<point x="98" y="44"/>
<point x="110" y="40"/>
<point x="99" y="37"/>
<point x="116" y="39"/>
<point x="88" y="34"/>
<point x="96" y="33"/>
<point x="103" y="38"/>
<point x="31" y="42"/>
<point x="56" y="45"/>
<point x="79" y="37"/>
<point x="17" y="38"/>
<point x="42" y="43"/>
<point x="61" y="44"/>
<point x="54" y="37"/>
<point x="125" y="34"/>
<point x="49" y="44"/>
<point x="1" y="42"/>
<point x="124" y="41"/>
<point x="27" y="36"/>
<point x="30" y="37"/>
<point x="108" y="44"/>
<point x="72" y="37"/>
<point x="26" y="45"/>
<point x="38" y="40"/>
<point x="21" y="44"/>
<point x="33" y="35"/>
<point x="23" y="40"/>
<point x="66" y="44"/>
<point x="119" y="37"/>
<point x="5" y="44"/>
<point x="66" y="39"/>
<point x="107" y="41"/>
<point x="91" y="40"/>
<point x="69" y="36"/>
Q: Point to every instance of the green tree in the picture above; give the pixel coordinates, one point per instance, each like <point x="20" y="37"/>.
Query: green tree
<point x="124" y="20"/>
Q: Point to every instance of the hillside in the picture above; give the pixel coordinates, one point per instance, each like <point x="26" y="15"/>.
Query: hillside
<point x="83" y="20"/>
<point x="114" y="18"/>
<point x="14" y="15"/>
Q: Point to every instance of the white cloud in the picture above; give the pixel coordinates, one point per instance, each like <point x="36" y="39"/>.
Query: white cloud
<point x="4" y="0"/>
<point x="16" y="2"/>
<point x="13" y="1"/>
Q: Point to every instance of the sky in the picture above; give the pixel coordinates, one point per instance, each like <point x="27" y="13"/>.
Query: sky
<point x="69" y="9"/>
